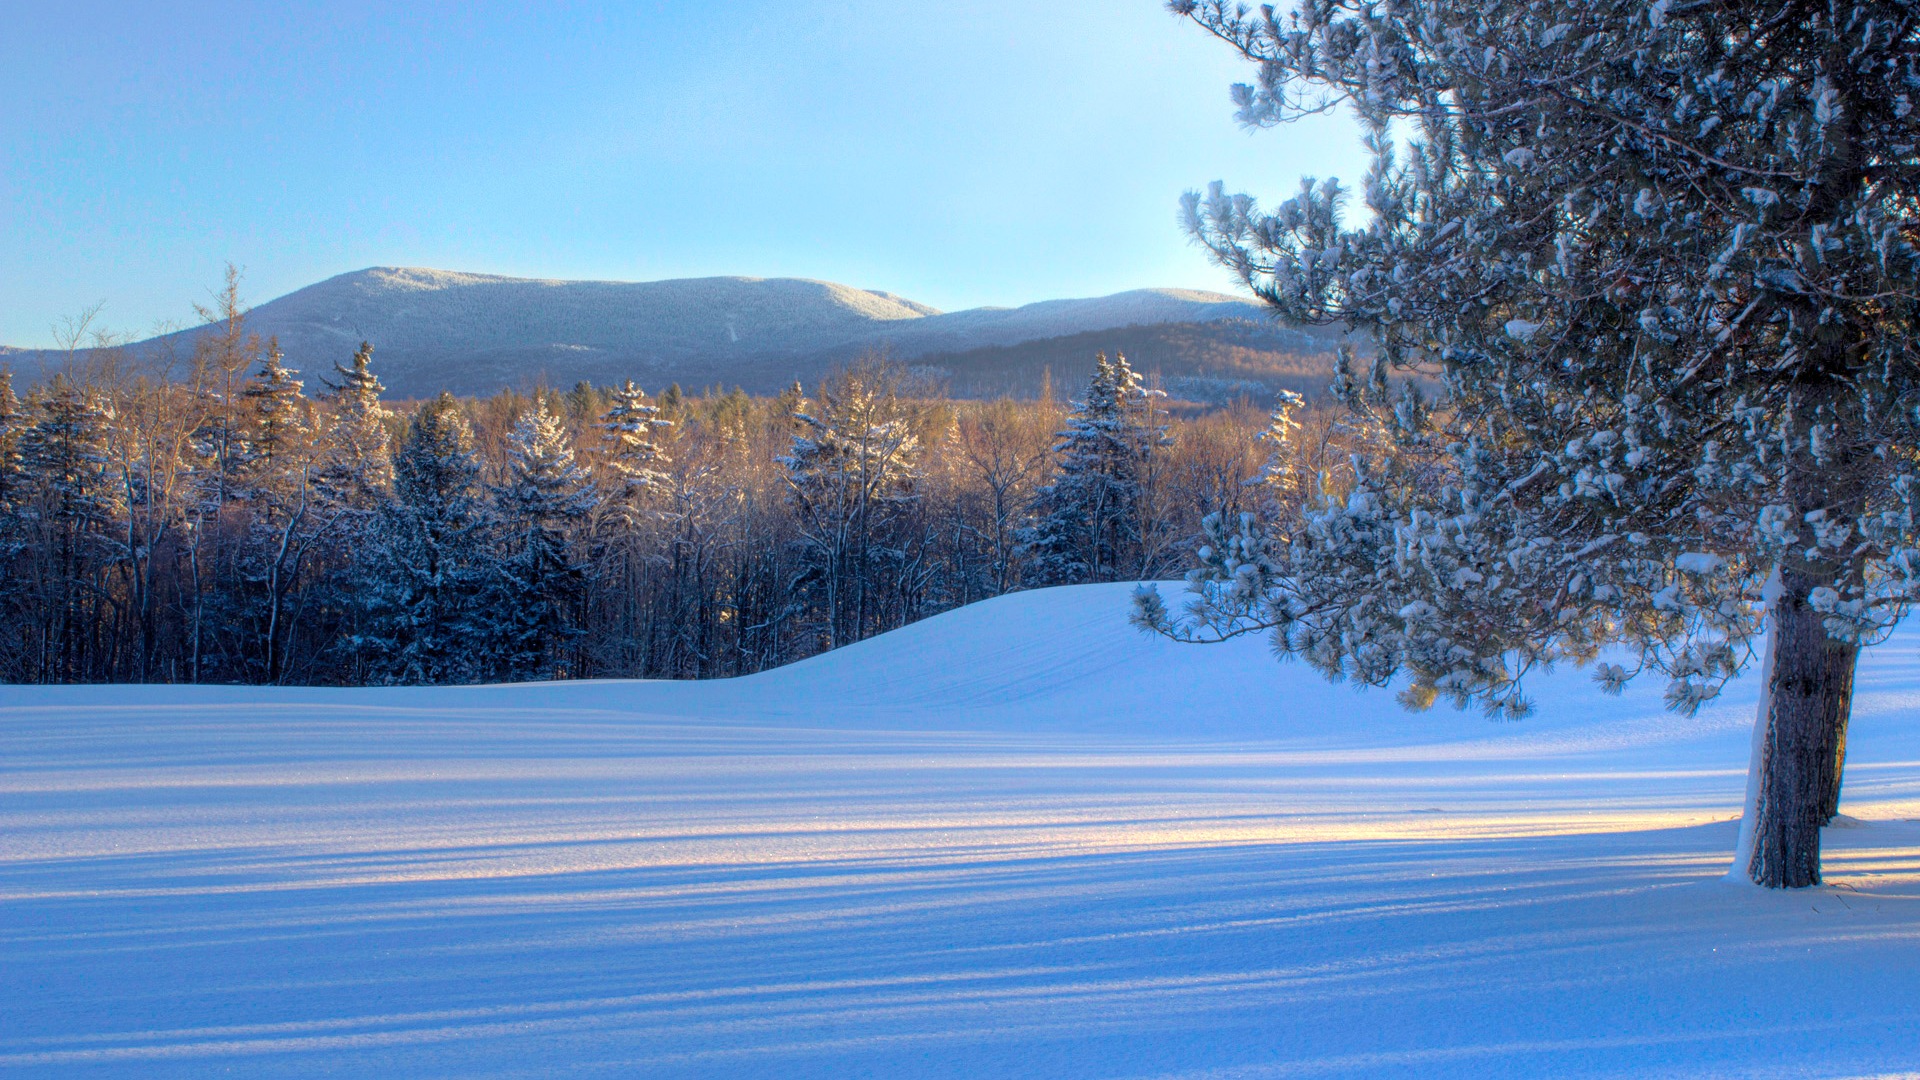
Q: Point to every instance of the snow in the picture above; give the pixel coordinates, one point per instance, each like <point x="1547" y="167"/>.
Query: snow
<point x="1019" y="839"/>
<point x="1698" y="562"/>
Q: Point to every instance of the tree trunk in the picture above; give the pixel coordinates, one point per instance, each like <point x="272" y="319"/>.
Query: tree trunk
<point x="1840" y="660"/>
<point x="1800" y="746"/>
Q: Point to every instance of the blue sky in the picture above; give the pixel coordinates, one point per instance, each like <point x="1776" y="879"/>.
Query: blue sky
<point x="986" y="152"/>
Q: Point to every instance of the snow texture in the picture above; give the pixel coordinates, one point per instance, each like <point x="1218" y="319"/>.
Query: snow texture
<point x="1018" y="839"/>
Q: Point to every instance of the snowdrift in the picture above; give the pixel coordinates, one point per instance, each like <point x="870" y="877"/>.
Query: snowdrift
<point x="1019" y="839"/>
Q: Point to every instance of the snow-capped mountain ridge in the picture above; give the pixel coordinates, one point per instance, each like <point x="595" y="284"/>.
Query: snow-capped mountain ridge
<point x="473" y="333"/>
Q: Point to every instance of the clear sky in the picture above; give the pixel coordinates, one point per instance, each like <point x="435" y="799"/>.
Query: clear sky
<point x="980" y="152"/>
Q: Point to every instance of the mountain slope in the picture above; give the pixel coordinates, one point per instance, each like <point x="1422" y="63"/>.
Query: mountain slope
<point x="1209" y="362"/>
<point x="476" y="333"/>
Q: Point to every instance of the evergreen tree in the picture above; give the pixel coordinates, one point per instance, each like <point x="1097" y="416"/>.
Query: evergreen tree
<point x="13" y="481"/>
<point x="63" y="458"/>
<point x="539" y="580"/>
<point x="71" y="500"/>
<point x="1671" y="304"/>
<point x="1281" y="476"/>
<point x="1090" y="521"/>
<point x="280" y="525"/>
<point x="672" y="400"/>
<point x="15" y="610"/>
<point x="629" y="430"/>
<point x="11" y="477"/>
<point x="279" y="425"/>
<point x="356" y="469"/>
<point x="427" y="560"/>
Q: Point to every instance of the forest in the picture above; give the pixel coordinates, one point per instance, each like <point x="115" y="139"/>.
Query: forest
<point x="224" y="520"/>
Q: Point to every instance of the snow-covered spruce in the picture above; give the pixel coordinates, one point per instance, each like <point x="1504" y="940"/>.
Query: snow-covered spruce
<point x="1660" y="259"/>
<point x="1090" y="523"/>
<point x="423" y="573"/>
<point x="356" y="469"/>
<point x="540" y="579"/>
<point x="631" y="429"/>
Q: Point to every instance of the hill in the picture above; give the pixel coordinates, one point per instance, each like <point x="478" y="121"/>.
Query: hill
<point x="1208" y="362"/>
<point x="477" y="333"/>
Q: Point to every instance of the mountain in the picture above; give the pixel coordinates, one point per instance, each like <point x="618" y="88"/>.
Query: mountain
<point x="1206" y="362"/>
<point x="436" y="330"/>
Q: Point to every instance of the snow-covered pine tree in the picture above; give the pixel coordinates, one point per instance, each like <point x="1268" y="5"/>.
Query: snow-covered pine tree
<point x="1089" y="523"/>
<point x="279" y="489"/>
<point x="12" y="479"/>
<point x="428" y="557"/>
<point x="1661" y="257"/>
<point x="625" y="551"/>
<point x="630" y="429"/>
<point x="352" y="483"/>
<point x="355" y="472"/>
<point x="69" y="501"/>
<point x="539" y="580"/>
<point x="1282" y="478"/>
<point x="14" y="612"/>
<point x="279" y="427"/>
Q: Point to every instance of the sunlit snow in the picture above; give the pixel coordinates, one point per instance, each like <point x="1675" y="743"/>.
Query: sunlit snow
<point x="1019" y="839"/>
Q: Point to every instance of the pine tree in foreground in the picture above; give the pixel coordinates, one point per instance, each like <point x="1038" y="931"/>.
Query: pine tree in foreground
<point x="1661" y="258"/>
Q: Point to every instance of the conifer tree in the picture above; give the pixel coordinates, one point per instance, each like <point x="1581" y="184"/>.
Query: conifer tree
<point x="540" y="581"/>
<point x="14" y="609"/>
<point x="70" y="500"/>
<point x="279" y="426"/>
<point x="1661" y="258"/>
<point x="11" y="477"/>
<point x="63" y="458"/>
<point x="1090" y="523"/>
<point x="630" y="429"/>
<point x="1281" y="476"/>
<point x="280" y="472"/>
<point x="356" y="470"/>
<point x="428" y="559"/>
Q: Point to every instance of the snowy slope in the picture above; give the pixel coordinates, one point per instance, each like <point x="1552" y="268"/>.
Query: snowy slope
<point x="1018" y="839"/>
<point x="476" y="333"/>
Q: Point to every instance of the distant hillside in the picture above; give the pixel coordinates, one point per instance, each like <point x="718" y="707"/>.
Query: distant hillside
<point x="1210" y="362"/>
<point x="436" y="330"/>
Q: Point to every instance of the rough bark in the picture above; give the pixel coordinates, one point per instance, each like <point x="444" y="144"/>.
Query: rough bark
<point x="1808" y="694"/>
<point x="1840" y="660"/>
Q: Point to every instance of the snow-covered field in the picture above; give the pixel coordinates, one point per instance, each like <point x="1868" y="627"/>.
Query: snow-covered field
<point x="1016" y="840"/>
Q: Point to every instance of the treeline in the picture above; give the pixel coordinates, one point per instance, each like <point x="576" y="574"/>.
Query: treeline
<point x="227" y="525"/>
